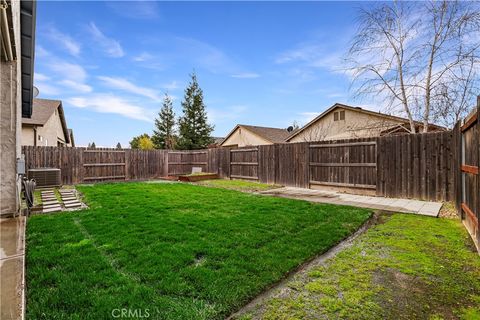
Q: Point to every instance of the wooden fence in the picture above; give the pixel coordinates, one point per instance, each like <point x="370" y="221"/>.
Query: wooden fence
<point x="467" y="180"/>
<point x="408" y="166"/>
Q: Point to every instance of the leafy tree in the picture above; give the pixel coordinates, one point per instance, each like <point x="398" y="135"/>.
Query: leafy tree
<point x="135" y="142"/>
<point x="119" y="146"/>
<point x="145" y="143"/>
<point x="164" y="135"/>
<point x="193" y="125"/>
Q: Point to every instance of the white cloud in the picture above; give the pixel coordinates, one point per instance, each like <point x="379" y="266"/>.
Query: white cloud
<point x="144" y="56"/>
<point x="136" y="9"/>
<point x="171" y="85"/>
<point x="40" y="77"/>
<point x="47" y="89"/>
<point x="107" y="103"/>
<point x="69" y="70"/>
<point x="77" y="86"/>
<point x="41" y="52"/>
<point x="64" y="41"/>
<point x="125" y="85"/>
<point x="245" y="75"/>
<point x="111" y="46"/>
<point x="306" y="117"/>
<point x="228" y="113"/>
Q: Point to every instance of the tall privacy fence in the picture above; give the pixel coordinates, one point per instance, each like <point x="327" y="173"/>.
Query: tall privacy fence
<point x="419" y="166"/>
<point x="437" y="166"/>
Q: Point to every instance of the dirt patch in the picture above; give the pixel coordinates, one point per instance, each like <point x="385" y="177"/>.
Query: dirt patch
<point x="286" y="287"/>
<point x="448" y="211"/>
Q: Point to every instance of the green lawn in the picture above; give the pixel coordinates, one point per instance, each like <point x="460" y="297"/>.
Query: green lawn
<point x="407" y="267"/>
<point x="240" y="185"/>
<point x="174" y="251"/>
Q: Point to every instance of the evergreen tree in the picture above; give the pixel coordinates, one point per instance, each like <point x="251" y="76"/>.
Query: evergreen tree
<point x="119" y="146"/>
<point x="93" y="146"/>
<point x="135" y="142"/>
<point x="164" y="134"/>
<point x="89" y="145"/>
<point x="193" y="126"/>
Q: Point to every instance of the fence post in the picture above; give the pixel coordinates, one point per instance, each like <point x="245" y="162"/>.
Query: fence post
<point x="478" y="174"/>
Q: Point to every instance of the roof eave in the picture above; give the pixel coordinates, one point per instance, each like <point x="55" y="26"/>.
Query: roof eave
<point x="27" y="30"/>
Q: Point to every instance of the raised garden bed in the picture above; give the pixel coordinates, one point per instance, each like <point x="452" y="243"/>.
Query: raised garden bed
<point x="197" y="177"/>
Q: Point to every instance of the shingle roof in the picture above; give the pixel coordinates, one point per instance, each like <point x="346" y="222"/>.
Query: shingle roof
<point x="43" y="110"/>
<point x="274" y="135"/>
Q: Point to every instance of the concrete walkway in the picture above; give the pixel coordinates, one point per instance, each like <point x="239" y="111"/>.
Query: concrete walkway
<point x="12" y="250"/>
<point x="387" y="204"/>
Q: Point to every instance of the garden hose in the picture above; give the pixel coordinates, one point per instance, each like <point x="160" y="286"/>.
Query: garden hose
<point x="28" y="190"/>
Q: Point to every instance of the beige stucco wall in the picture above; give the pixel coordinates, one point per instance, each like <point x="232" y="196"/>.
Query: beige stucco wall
<point x="355" y="125"/>
<point x="243" y="137"/>
<point x="10" y="123"/>
<point x="28" y="136"/>
<point x="51" y="133"/>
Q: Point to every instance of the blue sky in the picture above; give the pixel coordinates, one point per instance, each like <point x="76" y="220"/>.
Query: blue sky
<point x="259" y="63"/>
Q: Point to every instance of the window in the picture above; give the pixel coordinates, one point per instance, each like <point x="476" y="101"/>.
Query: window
<point x="339" y="115"/>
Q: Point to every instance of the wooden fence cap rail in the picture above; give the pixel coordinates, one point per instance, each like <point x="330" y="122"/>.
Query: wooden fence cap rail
<point x="470" y="122"/>
<point x="346" y="144"/>
<point x="187" y="152"/>
<point x="244" y="150"/>
<point x="100" y="150"/>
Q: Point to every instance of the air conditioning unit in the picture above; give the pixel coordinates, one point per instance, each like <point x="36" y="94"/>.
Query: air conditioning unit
<point x="46" y="177"/>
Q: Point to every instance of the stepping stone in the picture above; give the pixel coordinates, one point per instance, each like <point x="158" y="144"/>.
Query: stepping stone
<point x="47" y="192"/>
<point x="46" y="203"/>
<point x="49" y="197"/>
<point x="68" y="199"/>
<point x="73" y="205"/>
<point x="55" y="209"/>
<point x="67" y="193"/>
<point x="70" y="203"/>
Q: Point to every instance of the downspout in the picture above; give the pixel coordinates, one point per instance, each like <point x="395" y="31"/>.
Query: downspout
<point x="7" y="44"/>
<point x="35" y="136"/>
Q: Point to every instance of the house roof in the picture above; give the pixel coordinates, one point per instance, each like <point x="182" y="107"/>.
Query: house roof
<point x="43" y="109"/>
<point x="273" y="135"/>
<point x="218" y="140"/>
<point x="358" y="109"/>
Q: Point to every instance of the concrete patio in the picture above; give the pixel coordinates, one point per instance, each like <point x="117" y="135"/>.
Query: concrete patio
<point x="12" y="250"/>
<point x="379" y="203"/>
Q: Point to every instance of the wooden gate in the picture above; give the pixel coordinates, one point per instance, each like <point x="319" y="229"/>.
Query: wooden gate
<point x="470" y="178"/>
<point x="344" y="164"/>
<point x="103" y="165"/>
<point x="244" y="164"/>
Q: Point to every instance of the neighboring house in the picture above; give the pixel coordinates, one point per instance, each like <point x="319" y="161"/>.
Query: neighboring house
<point x="217" y="141"/>
<point x="245" y="135"/>
<point x="17" y="39"/>
<point x="46" y="126"/>
<point x="344" y="122"/>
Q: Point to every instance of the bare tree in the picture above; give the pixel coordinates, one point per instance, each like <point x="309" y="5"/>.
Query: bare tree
<point x="415" y="55"/>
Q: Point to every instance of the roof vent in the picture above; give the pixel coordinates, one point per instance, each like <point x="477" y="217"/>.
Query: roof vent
<point x="290" y="129"/>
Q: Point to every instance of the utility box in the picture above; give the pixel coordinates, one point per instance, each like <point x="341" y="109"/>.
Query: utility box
<point x="21" y="166"/>
<point x="46" y="177"/>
